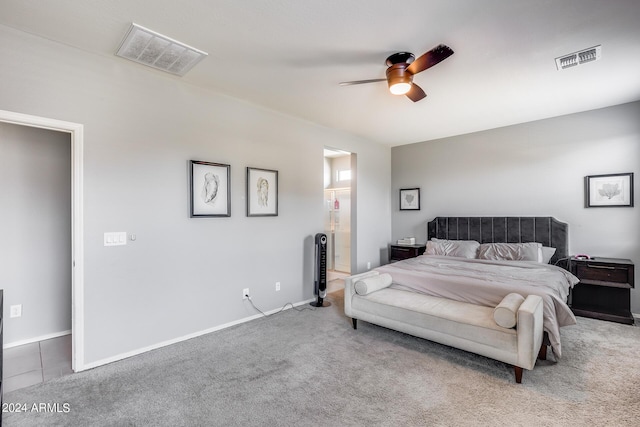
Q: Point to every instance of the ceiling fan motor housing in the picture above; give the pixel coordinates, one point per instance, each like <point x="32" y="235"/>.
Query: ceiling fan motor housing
<point x="400" y="58"/>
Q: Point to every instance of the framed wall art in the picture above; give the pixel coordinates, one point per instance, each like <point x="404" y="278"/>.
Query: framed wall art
<point x="410" y="199"/>
<point x="210" y="189"/>
<point x="262" y="192"/>
<point x="613" y="190"/>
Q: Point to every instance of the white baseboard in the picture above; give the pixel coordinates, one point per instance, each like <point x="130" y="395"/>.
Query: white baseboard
<point x="182" y="338"/>
<point x="37" y="339"/>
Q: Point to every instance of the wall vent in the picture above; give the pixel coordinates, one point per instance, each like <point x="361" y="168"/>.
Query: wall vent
<point x="579" y="58"/>
<point x="155" y="50"/>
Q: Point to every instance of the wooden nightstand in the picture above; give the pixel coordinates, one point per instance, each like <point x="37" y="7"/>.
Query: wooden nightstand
<point x="604" y="288"/>
<point x="400" y="252"/>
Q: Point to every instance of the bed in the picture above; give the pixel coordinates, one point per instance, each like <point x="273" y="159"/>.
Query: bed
<point x="461" y="276"/>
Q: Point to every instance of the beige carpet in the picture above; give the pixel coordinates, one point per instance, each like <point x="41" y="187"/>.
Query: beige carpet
<point x="310" y="368"/>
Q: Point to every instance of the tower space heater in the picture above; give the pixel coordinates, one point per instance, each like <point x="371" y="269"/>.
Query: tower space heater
<point x="320" y="270"/>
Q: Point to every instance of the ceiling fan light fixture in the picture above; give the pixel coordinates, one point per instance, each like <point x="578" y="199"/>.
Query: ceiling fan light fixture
<point x="399" y="79"/>
<point x="400" y="88"/>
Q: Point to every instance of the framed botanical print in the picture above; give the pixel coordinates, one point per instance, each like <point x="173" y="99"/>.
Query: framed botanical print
<point x="262" y="192"/>
<point x="614" y="190"/>
<point x="410" y="199"/>
<point x="210" y="189"/>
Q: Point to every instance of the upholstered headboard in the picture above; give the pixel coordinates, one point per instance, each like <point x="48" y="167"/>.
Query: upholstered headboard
<point x="499" y="229"/>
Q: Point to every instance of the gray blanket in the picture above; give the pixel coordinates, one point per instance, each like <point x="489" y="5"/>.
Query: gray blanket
<point x="486" y="282"/>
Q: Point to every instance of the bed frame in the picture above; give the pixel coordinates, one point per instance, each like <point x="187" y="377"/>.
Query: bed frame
<point x="499" y="229"/>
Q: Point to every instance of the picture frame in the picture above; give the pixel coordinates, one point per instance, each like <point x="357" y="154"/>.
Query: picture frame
<point x="210" y="187"/>
<point x="262" y="192"/>
<point x="611" y="190"/>
<point x="409" y="199"/>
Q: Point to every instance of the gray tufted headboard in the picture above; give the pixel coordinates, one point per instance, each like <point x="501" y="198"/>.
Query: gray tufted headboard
<point x="499" y="229"/>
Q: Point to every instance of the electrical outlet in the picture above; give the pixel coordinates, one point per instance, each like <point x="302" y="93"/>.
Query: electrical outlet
<point x="245" y="293"/>
<point x="277" y="286"/>
<point x="15" y="310"/>
<point x="368" y="265"/>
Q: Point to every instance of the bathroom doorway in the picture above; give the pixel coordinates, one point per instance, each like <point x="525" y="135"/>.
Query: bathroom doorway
<point x="337" y="212"/>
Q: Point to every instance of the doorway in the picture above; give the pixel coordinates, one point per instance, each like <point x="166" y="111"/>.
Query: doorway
<point x="77" y="249"/>
<point x="337" y="212"/>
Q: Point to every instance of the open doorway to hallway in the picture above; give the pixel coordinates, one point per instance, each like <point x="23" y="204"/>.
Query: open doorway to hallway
<point x="74" y="135"/>
<point x="337" y="214"/>
<point x="35" y="178"/>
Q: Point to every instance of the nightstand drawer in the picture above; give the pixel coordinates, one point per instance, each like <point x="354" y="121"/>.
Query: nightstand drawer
<point x="602" y="272"/>
<point x="400" y="252"/>
<point x="403" y="253"/>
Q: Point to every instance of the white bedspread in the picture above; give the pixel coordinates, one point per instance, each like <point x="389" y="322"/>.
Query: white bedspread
<point x="486" y="282"/>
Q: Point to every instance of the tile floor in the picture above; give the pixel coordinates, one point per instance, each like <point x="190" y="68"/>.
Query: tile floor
<point x="37" y="362"/>
<point x="335" y="285"/>
<point x="333" y="275"/>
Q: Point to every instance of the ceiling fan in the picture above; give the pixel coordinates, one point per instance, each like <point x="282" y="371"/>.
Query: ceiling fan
<point x="402" y="66"/>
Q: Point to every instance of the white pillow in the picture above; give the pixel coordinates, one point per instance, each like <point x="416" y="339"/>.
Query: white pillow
<point x="372" y="284"/>
<point x="454" y="248"/>
<point x="511" y="251"/>
<point x="546" y="253"/>
<point x="506" y="313"/>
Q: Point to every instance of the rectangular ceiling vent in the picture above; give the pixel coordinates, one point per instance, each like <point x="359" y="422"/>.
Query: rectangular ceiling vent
<point x="579" y="58"/>
<point x="155" y="50"/>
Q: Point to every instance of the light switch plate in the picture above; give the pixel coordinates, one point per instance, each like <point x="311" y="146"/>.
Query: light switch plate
<point x="115" y="238"/>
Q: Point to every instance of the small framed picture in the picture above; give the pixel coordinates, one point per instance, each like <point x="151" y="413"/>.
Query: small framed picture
<point x="210" y="189"/>
<point x="614" y="190"/>
<point x="262" y="192"/>
<point x="410" y="199"/>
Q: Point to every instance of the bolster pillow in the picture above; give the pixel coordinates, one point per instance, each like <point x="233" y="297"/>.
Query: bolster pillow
<point x="506" y="313"/>
<point x="372" y="284"/>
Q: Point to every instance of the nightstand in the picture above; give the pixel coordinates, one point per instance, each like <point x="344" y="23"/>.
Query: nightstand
<point x="400" y="252"/>
<point x="604" y="288"/>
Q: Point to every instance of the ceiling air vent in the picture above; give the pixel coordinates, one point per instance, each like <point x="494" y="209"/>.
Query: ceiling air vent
<point x="579" y="58"/>
<point x="155" y="50"/>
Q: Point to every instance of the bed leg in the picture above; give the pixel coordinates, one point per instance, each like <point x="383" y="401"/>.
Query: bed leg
<point x="518" y="370"/>
<point x="542" y="355"/>
<point x="355" y="323"/>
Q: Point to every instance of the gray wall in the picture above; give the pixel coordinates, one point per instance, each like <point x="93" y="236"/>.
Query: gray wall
<point x="141" y="127"/>
<point x="35" y="219"/>
<point x="535" y="168"/>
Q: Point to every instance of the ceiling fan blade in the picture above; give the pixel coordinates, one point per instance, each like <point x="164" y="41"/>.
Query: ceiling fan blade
<point x="416" y="93"/>
<point x="361" y="82"/>
<point x="429" y="59"/>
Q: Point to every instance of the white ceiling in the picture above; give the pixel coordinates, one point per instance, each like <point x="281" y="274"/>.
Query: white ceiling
<point x="290" y="55"/>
